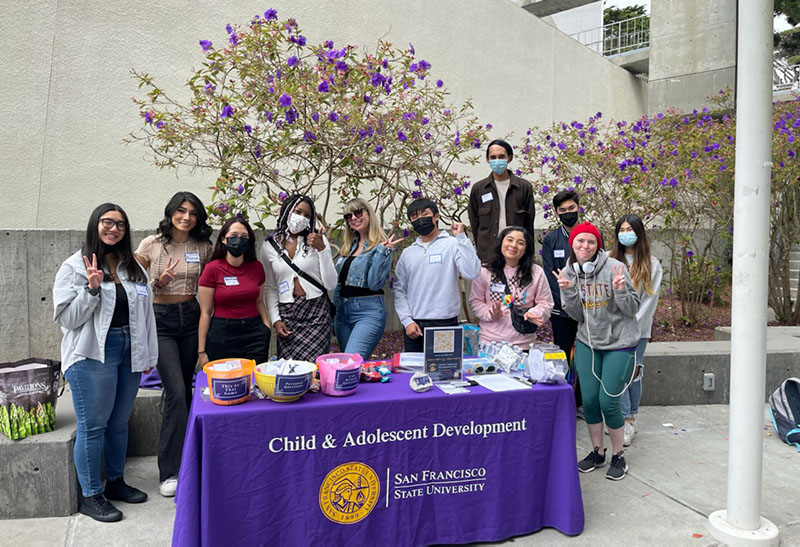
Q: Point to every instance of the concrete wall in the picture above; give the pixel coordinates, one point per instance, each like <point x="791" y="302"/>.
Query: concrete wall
<point x="692" y="52"/>
<point x="65" y="95"/>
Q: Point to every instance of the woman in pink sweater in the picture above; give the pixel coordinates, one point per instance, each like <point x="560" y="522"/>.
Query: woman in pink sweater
<point x="511" y="270"/>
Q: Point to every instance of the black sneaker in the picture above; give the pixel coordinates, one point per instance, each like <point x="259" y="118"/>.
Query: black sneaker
<point x="118" y="490"/>
<point x="618" y="468"/>
<point x="100" y="509"/>
<point x="592" y="461"/>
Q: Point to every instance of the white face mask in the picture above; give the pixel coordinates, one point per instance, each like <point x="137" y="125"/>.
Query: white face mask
<point x="297" y="223"/>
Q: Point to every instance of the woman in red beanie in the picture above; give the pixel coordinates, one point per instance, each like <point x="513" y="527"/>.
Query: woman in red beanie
<point x="597" y="292"/>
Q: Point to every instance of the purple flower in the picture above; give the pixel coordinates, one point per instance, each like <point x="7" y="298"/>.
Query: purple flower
<point x="545" y="189"/>
<point x="333" y="116"/>
<point x="401" y="136"/>
<point x="292" y="61"/>
<point x="160" y="125"/>
<point x="227" y="111"/>
<point x="690" y="254"/>
<point x="328" y="44"/>
<point x="342" y="66"/>
<point x="282" y="196"/>
<point x="323" y="87"/>
<point x="210" y="89"/>
<point x="315" y="116"/>
<point x="416" y="194"/>
<point x="285" y="100"/>
<point x="577" y="179"/>
<point x="439" y="83"/>
<point x="270" y="14"/>
<point x="234" y="39"/>
<point x="228" y="28"/>
<point x="673" y="182"/>
<point x="427" y="136"/>
<point x="309" y="137"/>
<point x="205" y="44"/>
<point x="457" y="190"/>
<point x="367" y="99"/>
<point x="291" y="115"/>
<point x="257" y="151"/>
<point x="411" y="48"/>
<point x="424" y="65"/>
<point x="562" y="146"/>
<point x="417" y="182"/>
<point x="240" y="189"/>
<point x="148" y="116"/>
<point x="425" y="121"/>
<point x="378" y="149"/>
<point x="248" y="129"/>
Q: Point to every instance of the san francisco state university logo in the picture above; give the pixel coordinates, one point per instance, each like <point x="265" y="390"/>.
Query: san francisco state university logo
<point x="349" y="492"/>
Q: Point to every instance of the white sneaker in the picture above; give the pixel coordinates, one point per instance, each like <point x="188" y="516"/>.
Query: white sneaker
<point x="628" y="434"/>
<point x="168" y="487"/>
<point x="635" y="424"/>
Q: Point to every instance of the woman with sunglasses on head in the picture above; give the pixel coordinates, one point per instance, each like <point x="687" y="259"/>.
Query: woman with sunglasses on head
<point x="597" y="292"/>
<point x="174" y="258"/>
<point x="104" y="307"/>
<point x="511" y="271"/>
<point x="299" y="271"/>
<point x="633" y="248"/>
<point x="233" y="318"/>
<point x="363" y="271"/>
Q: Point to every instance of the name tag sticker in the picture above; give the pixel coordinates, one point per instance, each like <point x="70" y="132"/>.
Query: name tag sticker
<point x="487" y="197"/>
<point x="558" y="253"/>
<point x="192" y="257"/>
<point x="141" y="289"/>
<point x="498" y="287"/>
<point x="283" y="287"/>
<point x="435" y="259"/>
<point x="231" y="281"/>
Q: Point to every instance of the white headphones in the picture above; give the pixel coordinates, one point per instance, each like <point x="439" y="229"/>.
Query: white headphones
<point x="588" y="267"/>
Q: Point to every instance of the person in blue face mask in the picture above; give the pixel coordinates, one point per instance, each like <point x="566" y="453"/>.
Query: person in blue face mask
<point x="632" y="248"/>
<point x="500" y="200"/>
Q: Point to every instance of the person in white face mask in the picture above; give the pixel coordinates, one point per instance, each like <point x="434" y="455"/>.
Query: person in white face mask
<point x="299" y="271"/>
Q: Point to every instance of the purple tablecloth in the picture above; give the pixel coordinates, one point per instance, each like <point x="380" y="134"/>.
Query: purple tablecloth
<point x="391" y="472"/>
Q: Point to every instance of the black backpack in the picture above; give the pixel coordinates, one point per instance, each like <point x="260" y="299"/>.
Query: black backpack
<point x="785" y="411"/>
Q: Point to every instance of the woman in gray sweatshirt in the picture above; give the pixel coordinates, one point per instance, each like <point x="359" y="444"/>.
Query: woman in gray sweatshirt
<point x="597" y="292"/>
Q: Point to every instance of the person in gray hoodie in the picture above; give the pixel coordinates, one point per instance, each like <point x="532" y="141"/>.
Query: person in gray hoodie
<point x="426" y="292"/>
<point x="597" y="292"/>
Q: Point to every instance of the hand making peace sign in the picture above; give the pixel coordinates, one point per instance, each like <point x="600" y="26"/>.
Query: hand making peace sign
<point x="169" y="272"/>
<point x="563" y="282"/>
<point x="93" y="275"/>
<point x="619" y="277"/>
<point x="391" y="242"/>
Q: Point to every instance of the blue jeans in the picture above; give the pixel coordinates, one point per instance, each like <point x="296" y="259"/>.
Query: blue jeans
<point x="103" y="395"/>
<point x="629" y="402"/>
<point x="359" y="324"/>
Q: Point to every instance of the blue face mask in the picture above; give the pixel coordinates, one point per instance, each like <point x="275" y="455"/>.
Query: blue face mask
<point x="498" y="166"/>
<point x="627" y="238"/>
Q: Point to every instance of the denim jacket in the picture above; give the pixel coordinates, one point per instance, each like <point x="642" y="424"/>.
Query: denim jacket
<point x="370" y="269"/>
<point x="84" y="319"/>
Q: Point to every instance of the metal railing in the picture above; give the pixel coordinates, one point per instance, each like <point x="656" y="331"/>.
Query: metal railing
<point x="785" y="77"/>
<point x="615" y="38"/>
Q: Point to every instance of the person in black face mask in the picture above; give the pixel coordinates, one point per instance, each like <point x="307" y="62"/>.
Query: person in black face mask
<point x="426" y="292"/>
<point x="555" y="252"/>
<point x="233" y="317"/>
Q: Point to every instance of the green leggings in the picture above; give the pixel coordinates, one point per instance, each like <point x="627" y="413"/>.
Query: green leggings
<point x="615" y="369"/>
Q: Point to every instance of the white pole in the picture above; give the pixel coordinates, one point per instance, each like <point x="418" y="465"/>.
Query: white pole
<point x="741" y="523"/>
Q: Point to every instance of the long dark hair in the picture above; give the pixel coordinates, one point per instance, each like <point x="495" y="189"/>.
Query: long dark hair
<point x="219" y="247"/>
<point x="93" y="245"/>
<point x="641" y="269"/>
<point x="201" y="231"/>
<point x="287" y="207"/>
<point x="498" y="261"/>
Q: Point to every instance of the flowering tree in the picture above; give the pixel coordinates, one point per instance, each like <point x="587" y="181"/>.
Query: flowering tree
<point x="672" y="170"/>
<point x="273" y="114"/>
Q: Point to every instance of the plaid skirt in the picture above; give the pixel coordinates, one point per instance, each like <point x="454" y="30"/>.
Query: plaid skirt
<point x="309" y="321"/>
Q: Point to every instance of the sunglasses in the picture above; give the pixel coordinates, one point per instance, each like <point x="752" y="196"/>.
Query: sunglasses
<point x="109" y="223"/>
<point x="357" y="213"/>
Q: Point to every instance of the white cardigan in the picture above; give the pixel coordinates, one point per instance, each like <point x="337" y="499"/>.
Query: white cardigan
<point x="279" y="283"/>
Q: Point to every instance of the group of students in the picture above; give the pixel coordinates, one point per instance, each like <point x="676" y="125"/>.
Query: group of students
<point x="178" y="302"/>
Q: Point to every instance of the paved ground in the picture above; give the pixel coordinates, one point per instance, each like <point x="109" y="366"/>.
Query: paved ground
<point x="678" y="476"/>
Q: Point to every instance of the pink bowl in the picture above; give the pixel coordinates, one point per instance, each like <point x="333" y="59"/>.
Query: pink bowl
<point x="339" y="373"/>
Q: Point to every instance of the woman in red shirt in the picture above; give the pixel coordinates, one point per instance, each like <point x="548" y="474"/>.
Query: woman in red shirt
<point x="233" y="318"/>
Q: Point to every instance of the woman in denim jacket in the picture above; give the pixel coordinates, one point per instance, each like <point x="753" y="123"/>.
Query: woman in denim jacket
<point x="363" y="271"/>
<point x="104" y="306"/>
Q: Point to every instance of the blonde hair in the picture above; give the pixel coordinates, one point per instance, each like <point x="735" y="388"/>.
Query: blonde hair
<point x="375" y="235"/>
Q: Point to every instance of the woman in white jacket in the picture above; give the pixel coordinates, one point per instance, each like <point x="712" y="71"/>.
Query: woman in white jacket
<point x="632" y="248"/>
<point x="104" y="306"/>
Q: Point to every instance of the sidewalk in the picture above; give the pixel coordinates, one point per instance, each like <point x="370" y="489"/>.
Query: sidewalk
<point x="678" y="476"/>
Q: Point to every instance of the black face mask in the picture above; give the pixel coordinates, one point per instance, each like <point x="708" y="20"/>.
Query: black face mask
<point x="423" y="225"/>
<point x="568" y="219"/>
<point x="237" y="246"/>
